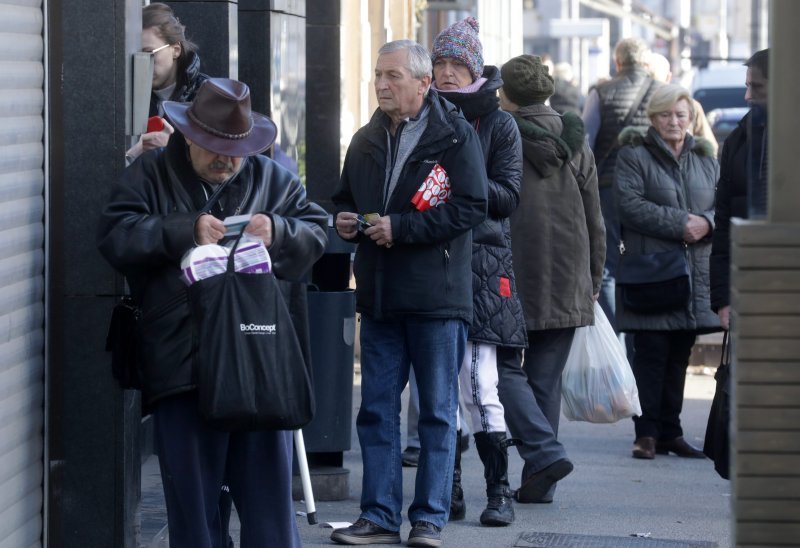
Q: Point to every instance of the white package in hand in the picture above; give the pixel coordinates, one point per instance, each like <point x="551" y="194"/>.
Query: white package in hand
<point x="597" y="384"/>
<point x="203" y="262"/>
<point x="209" y="260"/>
<point x="252" y="256"/>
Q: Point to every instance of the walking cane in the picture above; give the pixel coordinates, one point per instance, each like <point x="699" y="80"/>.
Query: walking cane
<point x="305" y="476"/>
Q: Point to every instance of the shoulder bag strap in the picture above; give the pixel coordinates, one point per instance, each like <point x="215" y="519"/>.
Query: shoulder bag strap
<point x="215" y="196"/>
<point x="635" y="105"/>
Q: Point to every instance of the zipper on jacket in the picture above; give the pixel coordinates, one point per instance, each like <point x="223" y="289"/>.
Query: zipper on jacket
<point x="446" y="255"/>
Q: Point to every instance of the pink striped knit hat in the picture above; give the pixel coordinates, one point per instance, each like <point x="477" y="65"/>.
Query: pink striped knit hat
<point x="460" y="41"/>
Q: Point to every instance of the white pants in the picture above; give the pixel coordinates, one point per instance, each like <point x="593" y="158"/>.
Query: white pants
<point x="478" y="383"/>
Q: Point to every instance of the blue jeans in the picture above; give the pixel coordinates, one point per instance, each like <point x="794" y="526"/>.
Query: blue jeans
<point x="607" y="298"/>
<point x="388" y="348"/>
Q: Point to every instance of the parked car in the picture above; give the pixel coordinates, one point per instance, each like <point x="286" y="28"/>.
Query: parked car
<point x="724" y="120"/>
<point x="718" y="86"/>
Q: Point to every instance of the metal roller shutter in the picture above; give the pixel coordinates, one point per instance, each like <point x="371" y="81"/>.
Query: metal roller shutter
<point x="21" y="272"/>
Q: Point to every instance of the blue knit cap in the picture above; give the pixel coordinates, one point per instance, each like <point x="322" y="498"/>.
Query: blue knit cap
<point x="460" y="41"/>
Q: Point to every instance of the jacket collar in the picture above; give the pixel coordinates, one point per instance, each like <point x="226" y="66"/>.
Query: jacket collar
<point x="439" y="127"/>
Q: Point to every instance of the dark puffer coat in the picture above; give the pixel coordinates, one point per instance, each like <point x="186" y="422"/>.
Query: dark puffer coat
<point x="655" y="193"/>
<point x="148" y="225"/>
<point x="616" y="100"/>
<point x="557" y="233"/>
<point x="497" y="315"/>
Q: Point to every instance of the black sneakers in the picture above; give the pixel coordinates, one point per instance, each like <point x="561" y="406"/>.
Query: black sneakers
<point x="535" y="487"/>
<point x="424" y="533"/>
<point x="364" y="531"/>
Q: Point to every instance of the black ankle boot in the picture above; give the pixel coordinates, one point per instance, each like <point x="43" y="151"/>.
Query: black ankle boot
<point x="458" y="508"/>
<point x="492" y="450"/>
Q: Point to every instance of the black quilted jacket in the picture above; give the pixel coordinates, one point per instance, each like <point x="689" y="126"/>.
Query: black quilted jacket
<point x="497" y="312"/>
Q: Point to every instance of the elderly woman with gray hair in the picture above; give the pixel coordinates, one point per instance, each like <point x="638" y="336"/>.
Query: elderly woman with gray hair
<point x="664" y="184"/>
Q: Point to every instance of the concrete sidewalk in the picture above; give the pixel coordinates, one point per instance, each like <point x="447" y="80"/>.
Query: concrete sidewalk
<point x="609" y="494"/>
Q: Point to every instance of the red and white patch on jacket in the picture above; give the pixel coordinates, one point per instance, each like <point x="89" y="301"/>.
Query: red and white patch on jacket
<point x="434" y="190"/>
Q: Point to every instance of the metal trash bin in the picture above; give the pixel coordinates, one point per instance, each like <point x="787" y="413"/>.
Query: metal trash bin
<point x="332" y="327"/>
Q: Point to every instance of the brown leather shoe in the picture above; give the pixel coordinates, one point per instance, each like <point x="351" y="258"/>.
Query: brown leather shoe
<point x="644" y="448"/>
<point x="680" y="447"/>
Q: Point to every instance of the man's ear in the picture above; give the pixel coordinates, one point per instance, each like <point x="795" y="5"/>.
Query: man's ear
<point x="425" y="84"/>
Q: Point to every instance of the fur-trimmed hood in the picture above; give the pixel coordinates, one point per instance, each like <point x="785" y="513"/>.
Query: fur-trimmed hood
<point x="549" y="139"/>
<point x="640" y="135"/>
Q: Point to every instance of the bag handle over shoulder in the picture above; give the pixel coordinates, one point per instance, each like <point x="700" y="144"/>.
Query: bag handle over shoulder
<point x="635" y="106"/>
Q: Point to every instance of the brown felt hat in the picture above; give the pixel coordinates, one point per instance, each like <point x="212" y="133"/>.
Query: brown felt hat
<point x="220" y="119"/>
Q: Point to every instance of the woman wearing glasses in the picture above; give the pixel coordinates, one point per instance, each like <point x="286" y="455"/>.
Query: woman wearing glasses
<point x="664" y="183"/>
<point x="176" y="69"/>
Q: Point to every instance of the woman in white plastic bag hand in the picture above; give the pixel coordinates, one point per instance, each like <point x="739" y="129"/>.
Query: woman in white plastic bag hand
<point x="664" y="183"/>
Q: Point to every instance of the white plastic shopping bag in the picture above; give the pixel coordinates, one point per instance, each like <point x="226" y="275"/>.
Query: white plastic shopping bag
<point x="597" y="384"/>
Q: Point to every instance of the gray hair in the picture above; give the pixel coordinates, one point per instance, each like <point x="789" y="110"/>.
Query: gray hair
<point x="419" y="59"/>
<point x="667" y="96"/>
<point x="631" y="52"/>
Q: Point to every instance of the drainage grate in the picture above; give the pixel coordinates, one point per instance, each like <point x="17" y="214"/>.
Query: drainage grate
<point x="560" y="540"/>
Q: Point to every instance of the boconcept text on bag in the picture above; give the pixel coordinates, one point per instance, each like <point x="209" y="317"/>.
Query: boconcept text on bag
<point x="654" y="282"/>
<point x="252" y="371"/>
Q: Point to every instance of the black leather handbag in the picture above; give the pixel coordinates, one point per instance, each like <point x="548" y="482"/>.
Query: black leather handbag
<point x="252" y="371"/>
<point x="654" y="282"/>
<point x="717" y="441"/>
<point x="138" y="342"/>
<point x="121" y="342"/>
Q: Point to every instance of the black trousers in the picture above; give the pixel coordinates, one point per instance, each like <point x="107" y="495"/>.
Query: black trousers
<point x="531" y="395"/>
<point x="659" y="365"/>
<point x="195" y="462"/>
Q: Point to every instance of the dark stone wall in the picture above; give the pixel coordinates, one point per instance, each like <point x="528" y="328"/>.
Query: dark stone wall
<point x="323" y="92"/>
<point x="92" y="430"/>
<point x="212" y="25"/>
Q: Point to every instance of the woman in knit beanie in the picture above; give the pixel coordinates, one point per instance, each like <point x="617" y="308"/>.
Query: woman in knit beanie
<point x="558" y="240"/>
<point x="526" y="81"/>
<point x="459" y="44"/>
<point x="497" y="333"/>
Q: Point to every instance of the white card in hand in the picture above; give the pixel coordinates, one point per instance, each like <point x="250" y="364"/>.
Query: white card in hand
<point x="235" y="224"/>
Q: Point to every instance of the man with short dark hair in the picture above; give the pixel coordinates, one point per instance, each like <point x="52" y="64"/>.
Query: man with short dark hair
<point x="413" y="185"/>
<point x="743" y="172"/>
<point x="150" y="221"/>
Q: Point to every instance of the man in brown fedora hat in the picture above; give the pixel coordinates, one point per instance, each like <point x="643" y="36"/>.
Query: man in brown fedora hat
<point x="150" y="221"/>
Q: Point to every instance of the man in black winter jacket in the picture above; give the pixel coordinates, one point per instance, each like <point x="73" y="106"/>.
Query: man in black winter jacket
<point x="413" y="185"/>
<point x="150" y="221"/>
<point x="743" y="164"/>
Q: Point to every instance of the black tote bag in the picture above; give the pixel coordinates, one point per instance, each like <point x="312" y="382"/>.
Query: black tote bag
<point x="252" y="372"/>
<point x="717" y="442"/>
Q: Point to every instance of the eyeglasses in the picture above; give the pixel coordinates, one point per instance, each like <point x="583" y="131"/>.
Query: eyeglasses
<point x="159" y="48"/>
